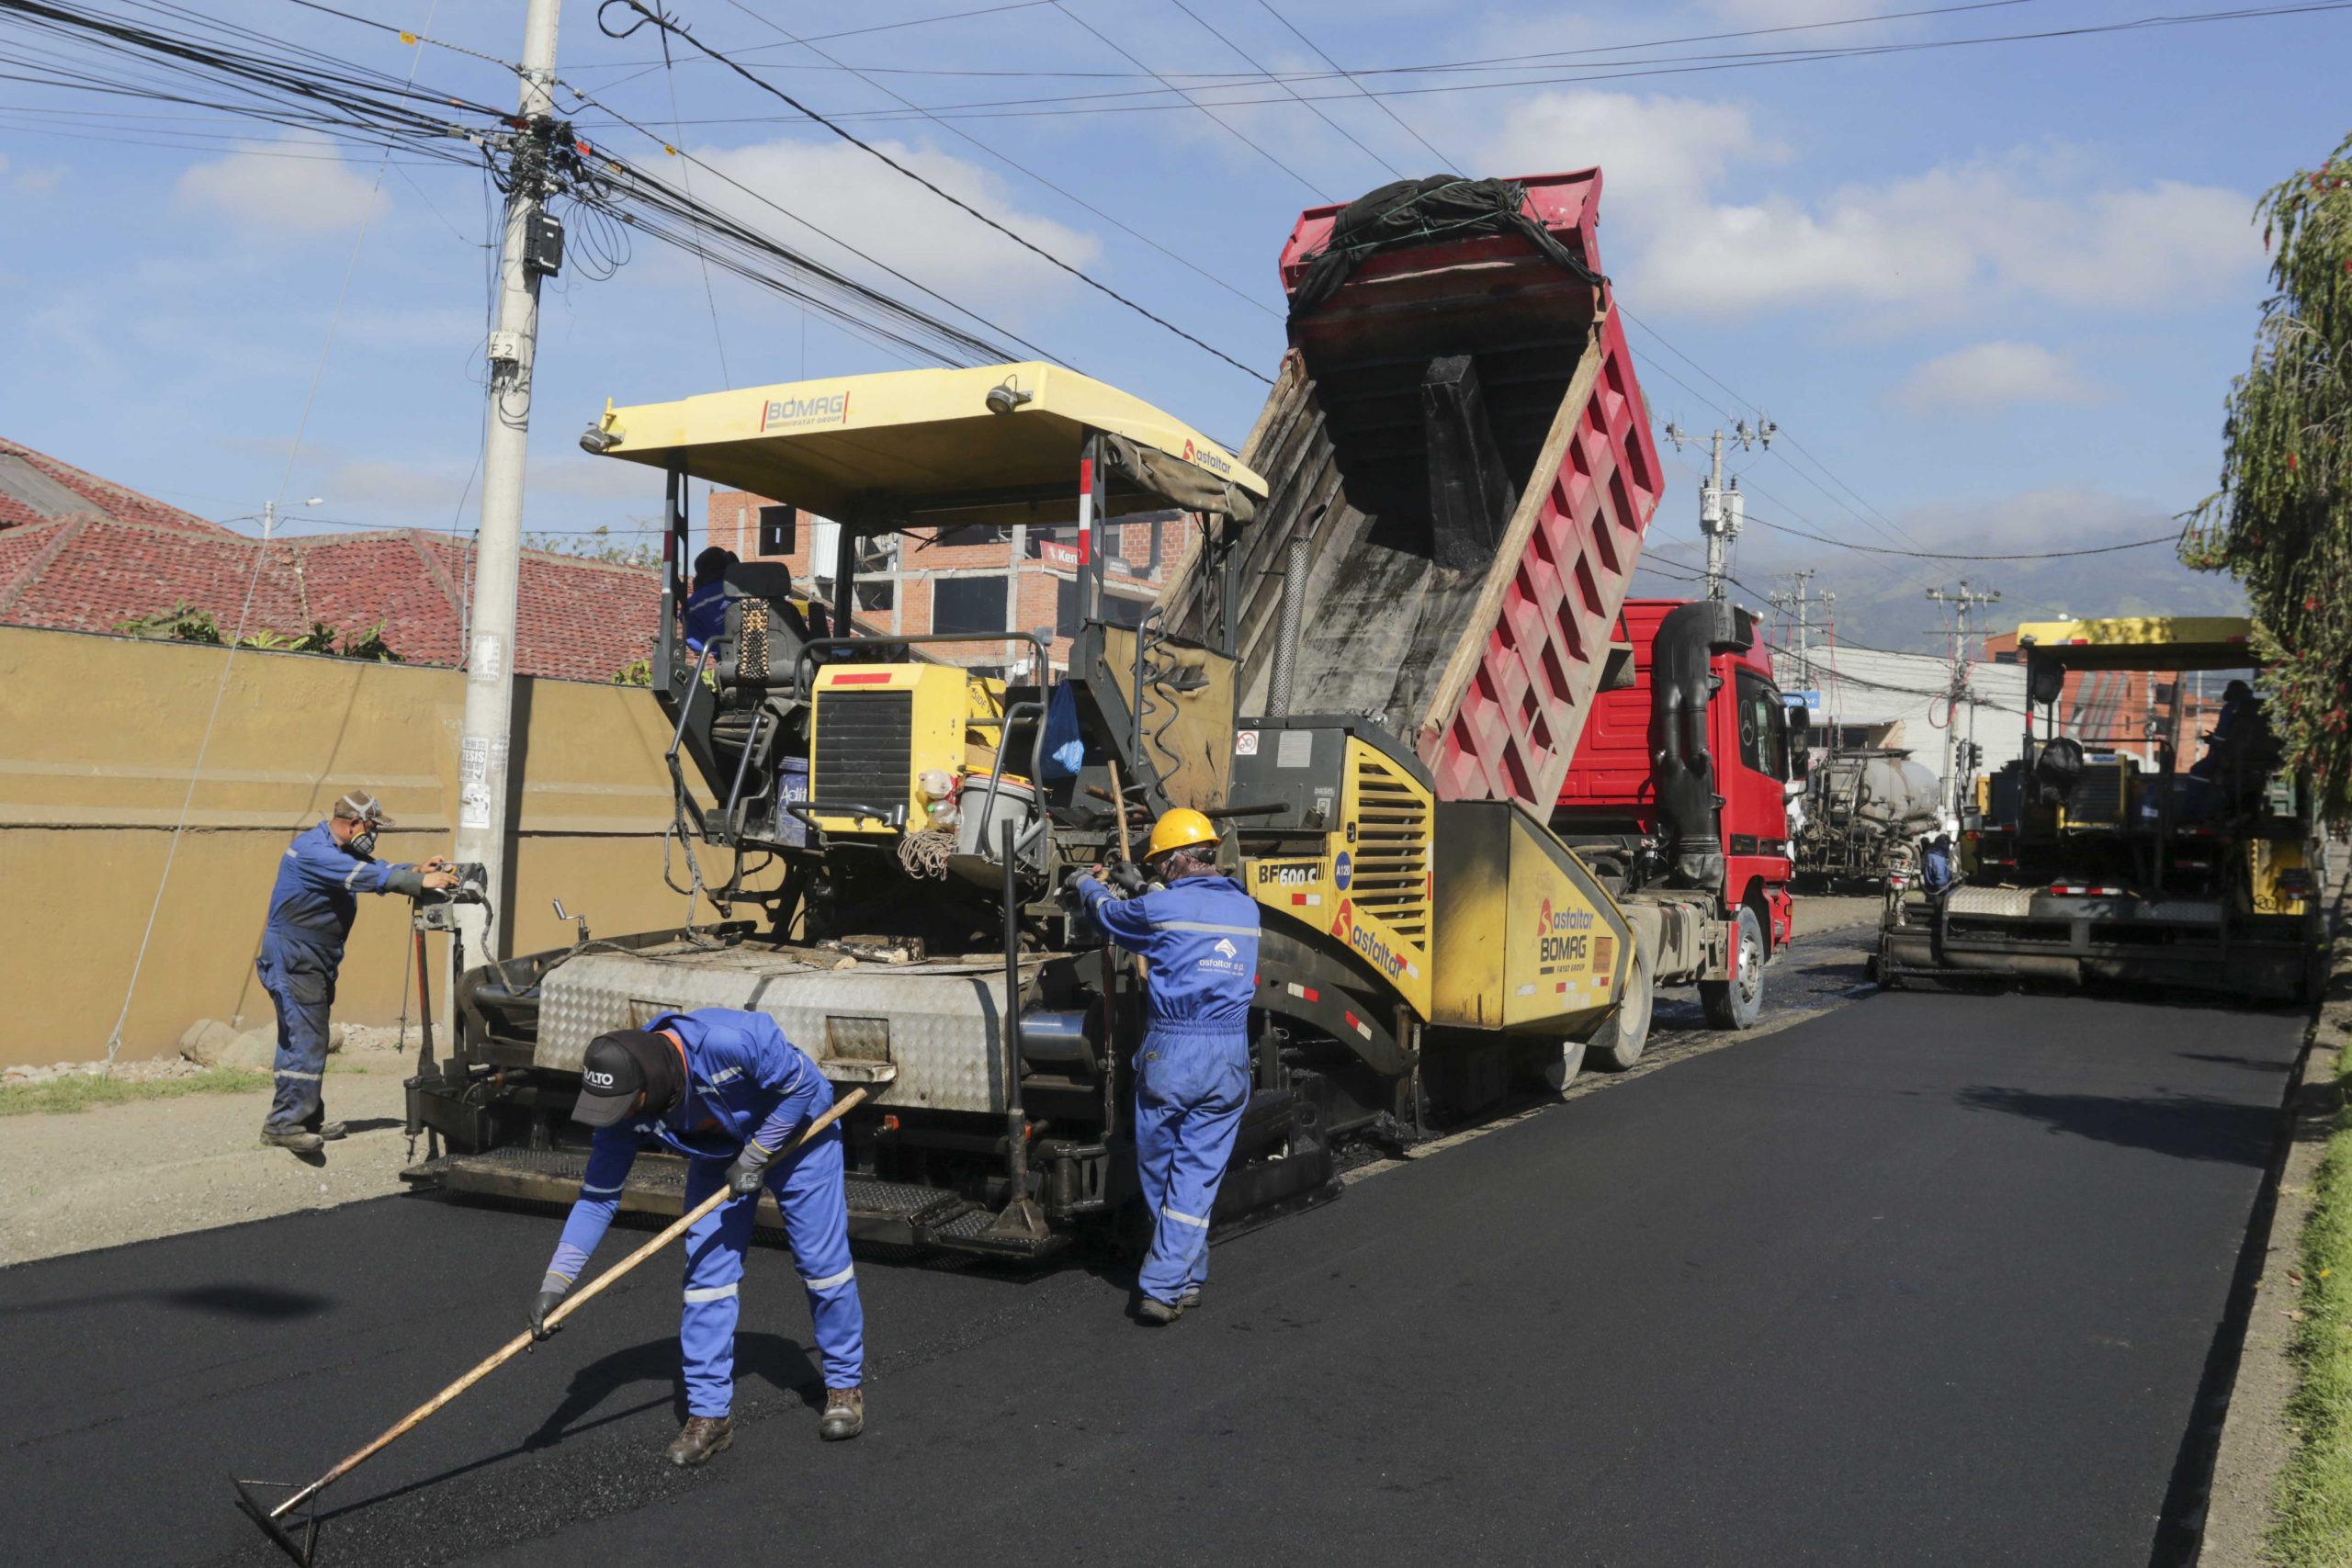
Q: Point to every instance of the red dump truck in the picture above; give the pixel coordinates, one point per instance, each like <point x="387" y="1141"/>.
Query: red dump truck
<point x="1485" y="805"/>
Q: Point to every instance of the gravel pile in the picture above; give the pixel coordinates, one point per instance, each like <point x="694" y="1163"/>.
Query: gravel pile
<point x="153" y="1069"/>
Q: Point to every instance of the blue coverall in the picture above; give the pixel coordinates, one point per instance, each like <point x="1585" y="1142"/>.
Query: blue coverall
<point x="310" y="911"/>
<point x="744" y="1082"/>
<point x="1200" y="936"/>
<point x="706" y="613"/>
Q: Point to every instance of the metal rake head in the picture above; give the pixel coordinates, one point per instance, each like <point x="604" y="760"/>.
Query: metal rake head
<point x="303" y="1550"/>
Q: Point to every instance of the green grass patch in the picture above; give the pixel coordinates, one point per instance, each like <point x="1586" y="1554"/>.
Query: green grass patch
<point x="2315" y="1524"/>
<point x="81" y="1092"/>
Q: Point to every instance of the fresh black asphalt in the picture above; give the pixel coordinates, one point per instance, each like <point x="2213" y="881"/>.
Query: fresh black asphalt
<point x="1922" y="1279"/>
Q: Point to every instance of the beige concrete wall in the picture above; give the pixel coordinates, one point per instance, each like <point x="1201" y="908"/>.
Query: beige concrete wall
<point x="98" y="742"/>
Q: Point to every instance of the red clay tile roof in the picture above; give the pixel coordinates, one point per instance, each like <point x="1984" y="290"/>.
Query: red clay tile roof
<point x="89" y="496"/>
<point x="578" y="620"/>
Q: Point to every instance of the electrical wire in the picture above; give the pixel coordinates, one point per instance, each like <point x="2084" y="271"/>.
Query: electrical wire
<point x="2173" y="538"/>
<point x="1220" y="121"/>
<point x="1059" y="189"/>
<point x="1668" y="65"/>
<point x="1394" y="171"/>
<point x="670" y="26"/>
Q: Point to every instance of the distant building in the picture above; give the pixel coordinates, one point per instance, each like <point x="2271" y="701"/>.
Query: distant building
<point x="982" y="581"/>
<point x="1873" y="698"/>
<point x="83" y="554"/>
<point x="2126" y="710"/>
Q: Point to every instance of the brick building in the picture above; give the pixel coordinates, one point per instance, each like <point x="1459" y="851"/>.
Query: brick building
<point x="80" y="553"/>
<point x="2125" y="710"/>
<point x="983" y="580"/>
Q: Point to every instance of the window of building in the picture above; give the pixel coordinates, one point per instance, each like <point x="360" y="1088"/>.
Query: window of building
<point x="976" y="533"/>
<point x="779" y="530"/>
<point x="967" y="604"/>
<point x="1118" y="609"/>
<point x="1033" y="543"/>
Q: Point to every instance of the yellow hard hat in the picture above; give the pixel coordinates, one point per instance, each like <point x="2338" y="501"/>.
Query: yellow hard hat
<point x="1179" y="828"/>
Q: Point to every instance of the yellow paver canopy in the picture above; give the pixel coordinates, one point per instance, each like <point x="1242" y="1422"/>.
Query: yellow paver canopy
<point x="2143" y="642"/>
<point x="878" y="451"/>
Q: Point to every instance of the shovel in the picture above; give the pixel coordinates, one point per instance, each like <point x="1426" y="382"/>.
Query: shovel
<point x="303" y="1547"/>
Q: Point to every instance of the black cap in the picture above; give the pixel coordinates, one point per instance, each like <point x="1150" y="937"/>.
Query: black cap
<point x="612" y="1074"/>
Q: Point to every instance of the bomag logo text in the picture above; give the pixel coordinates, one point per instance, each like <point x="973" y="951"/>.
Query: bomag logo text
<point x="782" y="413"/>
<point x="1564" y="935"/>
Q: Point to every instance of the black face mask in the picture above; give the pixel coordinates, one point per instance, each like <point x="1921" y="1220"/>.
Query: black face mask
<point x="364" y="841"/>
<point x="665" y="1077"/>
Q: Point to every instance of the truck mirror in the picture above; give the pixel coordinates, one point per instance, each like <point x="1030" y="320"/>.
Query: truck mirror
<point x="1800" y="742"/>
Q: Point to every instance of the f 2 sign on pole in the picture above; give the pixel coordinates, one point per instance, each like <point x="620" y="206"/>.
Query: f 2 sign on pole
<point x="533" y="248"/>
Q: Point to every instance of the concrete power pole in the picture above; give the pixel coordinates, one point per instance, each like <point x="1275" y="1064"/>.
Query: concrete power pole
<point x="529" y="250"/>
<point x="1722" y="511"/>
<point x="1798" y="606"/>
<point x="1964" y="602"/>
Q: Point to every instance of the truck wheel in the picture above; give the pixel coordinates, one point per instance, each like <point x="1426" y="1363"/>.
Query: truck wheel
<point x="1559" y="1066"/>
<point x="1734" y="1003"/>
<point x="1625" y="1033"/>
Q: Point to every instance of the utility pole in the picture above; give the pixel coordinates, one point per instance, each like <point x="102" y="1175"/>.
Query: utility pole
<point x="1798" y="605"/>
<point x="532" y="248"/>
<point x="1722" y="511"/>
<point x="1964" y="602"/>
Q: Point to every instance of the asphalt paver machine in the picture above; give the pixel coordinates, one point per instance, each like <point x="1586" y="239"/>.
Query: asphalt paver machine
<point x="1458" y="451"/>
<point x="2085" y="863"/>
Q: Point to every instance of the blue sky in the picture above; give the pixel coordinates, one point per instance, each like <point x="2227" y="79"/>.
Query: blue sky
<point x="1993" y="296"/>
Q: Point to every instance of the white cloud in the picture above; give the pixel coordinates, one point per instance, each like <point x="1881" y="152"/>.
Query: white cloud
<point x="1658" y="156"/>
<point x="297" y="186"/>
<point x="1991" y="375"/>
<point x="1957" y="236"/>
<point x="1948" y="240"/>
<point x="30" y="182"/>
<point x="846" y="194"/>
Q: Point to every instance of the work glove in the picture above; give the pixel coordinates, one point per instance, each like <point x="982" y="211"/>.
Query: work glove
<point x="749" y="1171"/>
<point x="1071" y="895"/>
<point x="542" y="1304"/>
<point x="1128" y="880"/>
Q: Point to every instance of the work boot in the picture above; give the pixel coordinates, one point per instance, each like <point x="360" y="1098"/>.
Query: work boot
<point x="296" y="1141"/>
<point x="700" y="1438"/>
<point x="1153" y="1310"/>
<point x="845" y="1414"/>
<point x="1190" y="1299"/>
<point x="329" y="1131"/>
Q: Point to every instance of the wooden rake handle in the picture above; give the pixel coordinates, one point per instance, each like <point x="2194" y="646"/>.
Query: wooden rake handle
<point x="522" y="1341"/>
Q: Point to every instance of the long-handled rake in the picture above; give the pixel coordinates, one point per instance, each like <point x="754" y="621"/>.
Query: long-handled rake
<point x="302" y="1548"/>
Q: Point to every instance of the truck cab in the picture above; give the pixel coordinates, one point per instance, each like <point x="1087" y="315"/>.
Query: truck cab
<point x="1679" y="789"/>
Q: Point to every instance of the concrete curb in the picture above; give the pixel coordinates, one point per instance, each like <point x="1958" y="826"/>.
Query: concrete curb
<point x="2256" y="1442"/>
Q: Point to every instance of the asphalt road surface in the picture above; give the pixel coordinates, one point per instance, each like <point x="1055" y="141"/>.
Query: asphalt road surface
<point x="1917" y="1280"/>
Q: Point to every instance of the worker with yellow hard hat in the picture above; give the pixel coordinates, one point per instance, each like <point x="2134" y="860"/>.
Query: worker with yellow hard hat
<point x="1199" y="931"/>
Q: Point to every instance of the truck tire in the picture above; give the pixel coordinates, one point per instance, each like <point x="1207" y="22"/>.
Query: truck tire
<point x="1558" y="1067"/>
<point x="1734" y="1003"/>
<point x="1624" y="1034"/>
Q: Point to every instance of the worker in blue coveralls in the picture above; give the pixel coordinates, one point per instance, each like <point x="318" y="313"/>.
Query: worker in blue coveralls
<point x="707" y="600"/>
<point x="1199" y="934"/>
<point x="726" y="1089"/>
<point x="320" y="879"/>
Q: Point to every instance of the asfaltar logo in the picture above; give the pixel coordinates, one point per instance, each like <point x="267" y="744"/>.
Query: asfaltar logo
<point x="1365" y="941"/>
<point x="1224" y="946"/>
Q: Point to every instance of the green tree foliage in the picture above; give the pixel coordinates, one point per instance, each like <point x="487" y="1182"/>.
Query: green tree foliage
<point x="601" y="543"/>
<point x="184" y="622"/>
<point x="2281" y="523"/>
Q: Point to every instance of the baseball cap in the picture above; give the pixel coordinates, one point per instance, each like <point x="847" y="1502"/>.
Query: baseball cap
<point x="612" y="1073"/>
<point x="358" y="805"/>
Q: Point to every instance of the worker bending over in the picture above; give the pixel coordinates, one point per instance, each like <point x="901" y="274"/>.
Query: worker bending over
<point x="311" y="907"/>
<point x="726" y="1089"/>
<point x="1199" y="934"/>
